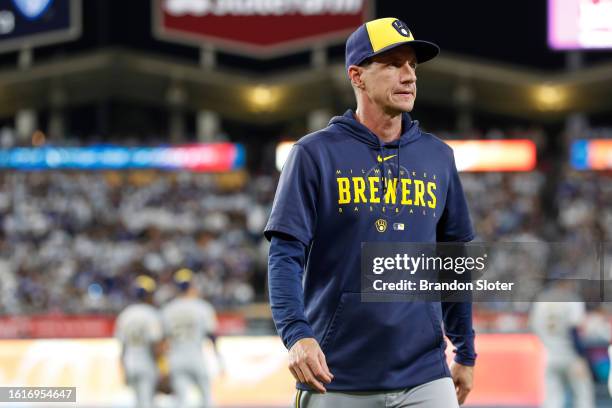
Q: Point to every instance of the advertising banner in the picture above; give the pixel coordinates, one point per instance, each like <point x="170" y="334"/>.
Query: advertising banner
<point x="64" y="327"/>
<point x="470" y="155"/>
<point x="494" y="155"/>
<point x="258" y="27"/>
<point x="213" y="157"/>
<point x="594" y="154"/>
<point x="579" y="24"/>
<point x="29" y="23"/>
<point x="251" y="371"/>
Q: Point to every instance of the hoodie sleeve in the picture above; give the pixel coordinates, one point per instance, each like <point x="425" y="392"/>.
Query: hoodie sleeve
<point x="290" y="230"/>
<point x="285" y="271"/>
<point x="455" y="225"/>
<point x="294" y="209"/>
<point x="458" y="329"/>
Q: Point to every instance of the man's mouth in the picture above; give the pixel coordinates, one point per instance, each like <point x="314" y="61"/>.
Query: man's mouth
<point x="404" y="93"/>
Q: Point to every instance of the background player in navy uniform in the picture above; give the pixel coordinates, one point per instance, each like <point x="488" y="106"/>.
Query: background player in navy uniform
<point x="349" y="183"/>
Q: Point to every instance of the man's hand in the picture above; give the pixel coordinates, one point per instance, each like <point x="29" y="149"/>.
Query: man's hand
<point x="307" y="364"/>
<point x="463" y="377"/>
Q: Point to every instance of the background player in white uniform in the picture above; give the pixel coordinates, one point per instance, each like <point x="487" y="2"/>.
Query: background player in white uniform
<point x="139" y="330"/>
<point x="187" y="321"/>
<point x="555" y="318"/>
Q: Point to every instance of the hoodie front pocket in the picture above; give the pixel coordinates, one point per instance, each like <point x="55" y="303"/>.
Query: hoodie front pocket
<point x="331" y="327"/>
<point x="378" y="334"/>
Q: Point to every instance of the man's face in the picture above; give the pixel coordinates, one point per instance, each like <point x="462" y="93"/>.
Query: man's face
<point x="390" y="80"/>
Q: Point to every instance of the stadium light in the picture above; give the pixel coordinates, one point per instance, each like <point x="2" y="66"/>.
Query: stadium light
<point x="263" y="98"/>
<point x="550" y="97"/>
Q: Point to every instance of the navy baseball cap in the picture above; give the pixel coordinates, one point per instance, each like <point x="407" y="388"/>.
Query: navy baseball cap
<point x="384" y="34"/>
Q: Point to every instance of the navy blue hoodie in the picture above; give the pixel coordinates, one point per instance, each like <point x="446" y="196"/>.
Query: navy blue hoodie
<point x="331" y="198"/>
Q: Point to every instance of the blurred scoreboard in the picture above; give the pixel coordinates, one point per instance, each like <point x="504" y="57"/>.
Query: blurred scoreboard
<point x="591" y="154"/>
<point x="470" y="155"/>
<point x="201" y="157"/>
<point x="29" y="23"/>
<point x="579" y="24"/>
<point x="494" y="155"/>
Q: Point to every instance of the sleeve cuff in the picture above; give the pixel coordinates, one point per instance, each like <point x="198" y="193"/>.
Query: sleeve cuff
<point x="466" y="361"/>
<point x="296" y="331"/>
<point x="465" y="351"/>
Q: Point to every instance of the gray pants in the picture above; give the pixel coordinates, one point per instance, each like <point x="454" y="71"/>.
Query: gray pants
<point x="435" y="394"/>
<point x="574" y="372"/>
<point x="144" y="388"/>
<point x="181" y="383"/>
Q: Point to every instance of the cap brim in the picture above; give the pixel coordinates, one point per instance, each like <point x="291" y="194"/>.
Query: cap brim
<point x="424" y="50"/>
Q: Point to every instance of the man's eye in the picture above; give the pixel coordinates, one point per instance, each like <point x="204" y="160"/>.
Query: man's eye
<point x="399" y="64"/>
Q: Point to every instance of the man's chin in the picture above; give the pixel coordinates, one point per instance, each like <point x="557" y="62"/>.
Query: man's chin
<point x="403" y="107"/>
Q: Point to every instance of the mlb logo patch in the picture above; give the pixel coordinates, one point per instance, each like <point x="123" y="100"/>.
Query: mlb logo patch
<point x="398" y="226"/>
<point x="32" y="9"/>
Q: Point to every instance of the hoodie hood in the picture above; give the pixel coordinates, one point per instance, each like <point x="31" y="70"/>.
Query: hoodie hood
<point x="410" y="133"/>
<point x="410" y="130"/>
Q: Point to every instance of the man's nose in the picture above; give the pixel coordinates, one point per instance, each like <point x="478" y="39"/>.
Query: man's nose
<point x="408" y="73"/>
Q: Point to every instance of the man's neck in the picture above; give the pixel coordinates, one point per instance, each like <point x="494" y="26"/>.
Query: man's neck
<point x="387" y="127"/>
<point x="189" y="294"/>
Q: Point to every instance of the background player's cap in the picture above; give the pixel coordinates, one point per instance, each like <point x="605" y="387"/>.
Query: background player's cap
<point x="384" y="34"/>
<point x="183" y="278"/>
<point x="145" y="285"/>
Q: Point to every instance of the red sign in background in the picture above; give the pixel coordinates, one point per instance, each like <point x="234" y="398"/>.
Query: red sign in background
<point x="258" y="30"/>
<point x="66" y="327"/>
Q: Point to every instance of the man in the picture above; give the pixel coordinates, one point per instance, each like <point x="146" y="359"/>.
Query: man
<point x="347" y="184"/>
<point x="555" y="317"/>
<point x="187" y="321"/>
<point x="139" y="330"/>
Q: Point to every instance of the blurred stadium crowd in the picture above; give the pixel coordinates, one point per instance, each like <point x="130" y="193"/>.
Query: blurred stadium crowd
<point x="93" y="232"/>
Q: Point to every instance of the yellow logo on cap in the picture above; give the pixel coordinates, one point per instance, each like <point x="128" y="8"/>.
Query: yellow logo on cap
<point x="383" y="33"/>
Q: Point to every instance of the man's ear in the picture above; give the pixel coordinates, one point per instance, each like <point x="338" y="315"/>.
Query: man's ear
<point x="355" y="74"/>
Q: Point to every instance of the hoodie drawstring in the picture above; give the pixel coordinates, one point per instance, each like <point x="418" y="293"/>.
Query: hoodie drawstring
<point x="397" y="178"/>
<point x="382" y="182"/>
